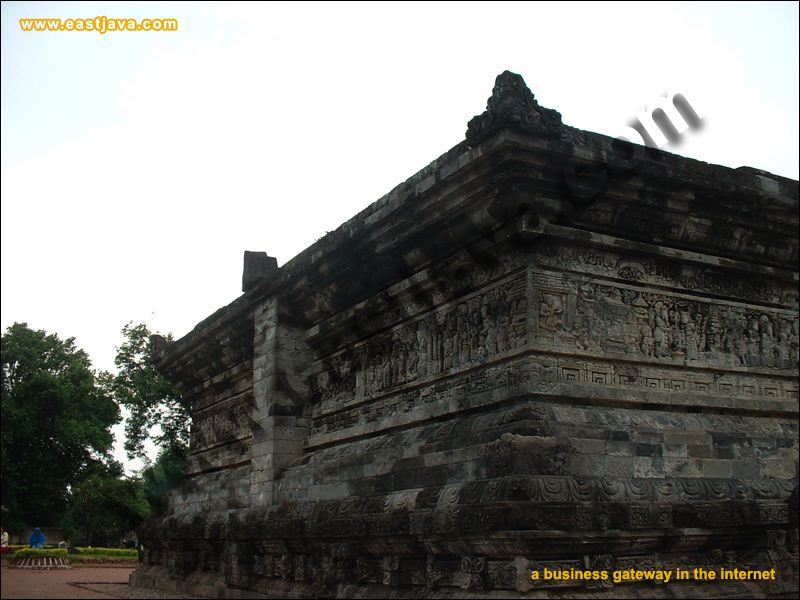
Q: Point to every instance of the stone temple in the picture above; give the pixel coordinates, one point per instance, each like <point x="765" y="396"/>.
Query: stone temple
<point x="548" y="349"/>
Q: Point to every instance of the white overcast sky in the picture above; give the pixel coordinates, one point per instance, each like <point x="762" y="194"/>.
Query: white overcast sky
<point x="137" y="167"/>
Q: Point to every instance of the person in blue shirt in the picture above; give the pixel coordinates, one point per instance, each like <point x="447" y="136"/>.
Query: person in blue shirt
<point x="37" y="539"/>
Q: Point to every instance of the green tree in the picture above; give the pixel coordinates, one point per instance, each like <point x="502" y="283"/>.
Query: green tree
<point x="56" y="415"/>
<point x="151" y="400"/>
<point x="163" y="475"/>
<point x="103" y="507"/>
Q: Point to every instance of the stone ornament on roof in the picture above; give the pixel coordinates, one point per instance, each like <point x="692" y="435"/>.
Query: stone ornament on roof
<point x="512" y="105"/>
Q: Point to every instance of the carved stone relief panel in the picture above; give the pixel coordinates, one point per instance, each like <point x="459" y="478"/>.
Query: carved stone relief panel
<point x="462" y="334"/>
<point x="655" y="223"/>
<point x="576" y="314"/>
<point x="666" y="272"/>
<point x="543" y="374"/>
<point x="224" y="422"/>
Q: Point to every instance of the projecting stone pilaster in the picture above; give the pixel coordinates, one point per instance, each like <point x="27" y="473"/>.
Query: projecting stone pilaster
<point x="280" y="357"/>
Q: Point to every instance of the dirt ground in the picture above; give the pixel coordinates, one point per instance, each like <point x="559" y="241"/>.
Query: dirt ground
<point x="77" y="582"/>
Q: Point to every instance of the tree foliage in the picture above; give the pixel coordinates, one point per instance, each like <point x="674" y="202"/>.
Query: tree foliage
<point x="56" y="416"/>
<point x="153" y="403"/>
<point x="103" y="508"/>
<point x="166" y="473"/>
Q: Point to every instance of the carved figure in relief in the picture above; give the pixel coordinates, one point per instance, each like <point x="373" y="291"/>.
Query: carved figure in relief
<point x="765" y="340"/>
<point x="412" y="365"/>
<point x="464" y="337"/>
<point x="782" y="346"/>
<point x="399" y="364"/>
<point x="661" y="338"/>
<point x="753" y="340"/>
<point x="488" y="331"/>
<point x="387" y="372"/>
<point x="647" y="345"/>
<point x="691" y="334"/>
<point x="474" y="332"/>
<point x="503" y="331"/>
<point x="242" y="418"/>
<point x="551" y="308"/>
<point x="449" y="343"/>
<point x="713" y="334"/>
<point x="424" y="346"/>
<point x="677" y="340"/>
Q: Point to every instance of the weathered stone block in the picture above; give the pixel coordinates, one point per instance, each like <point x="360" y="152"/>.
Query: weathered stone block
<point x="682" y="467"/>
<point x="778" y="469"/>
<point x="675" y="450"/>
<point x="714" y="468"/>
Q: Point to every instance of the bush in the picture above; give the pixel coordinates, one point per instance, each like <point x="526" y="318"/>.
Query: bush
<point x="14" y="547"/>
<point x="39" y="553"/>
<point x="88" y="560"/>
<point x="126" y="552"/>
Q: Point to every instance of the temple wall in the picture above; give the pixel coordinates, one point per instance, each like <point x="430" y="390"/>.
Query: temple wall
<point x="546" y="349"/>
<point x="220" y="389"/>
